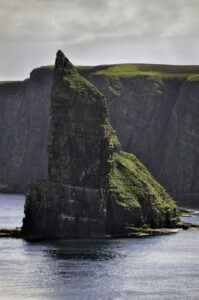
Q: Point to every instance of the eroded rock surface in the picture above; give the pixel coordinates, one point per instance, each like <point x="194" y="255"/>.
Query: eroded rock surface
<point x="93" y="188"/>
<point x="155" y="117"/>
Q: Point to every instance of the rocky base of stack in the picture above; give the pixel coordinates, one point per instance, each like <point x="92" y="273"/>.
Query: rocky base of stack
<point x="57" y="211"/>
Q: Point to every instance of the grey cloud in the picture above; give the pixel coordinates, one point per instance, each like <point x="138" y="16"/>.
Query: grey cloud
<point x="51" y="19"/>
<point x="49" y="24"/>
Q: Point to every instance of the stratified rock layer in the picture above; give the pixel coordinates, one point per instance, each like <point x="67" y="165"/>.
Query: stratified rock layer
<point x="93" y="188"/>
<point x="55" y="210"/>
<point x="155" y="116"/>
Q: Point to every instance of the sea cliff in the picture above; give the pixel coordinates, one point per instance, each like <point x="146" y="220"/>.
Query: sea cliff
<point x="153" y="108"/>
<point x="93" y="188"/>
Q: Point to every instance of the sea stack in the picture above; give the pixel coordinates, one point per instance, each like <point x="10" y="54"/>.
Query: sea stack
<point x="93" y="188"/>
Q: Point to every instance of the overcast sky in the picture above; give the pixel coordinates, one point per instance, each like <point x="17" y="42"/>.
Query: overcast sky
<point x="92" y="32"/>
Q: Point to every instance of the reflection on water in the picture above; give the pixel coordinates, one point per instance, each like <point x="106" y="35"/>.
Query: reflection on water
<point x="78" y="249"/>
<point x="164" y="267"/>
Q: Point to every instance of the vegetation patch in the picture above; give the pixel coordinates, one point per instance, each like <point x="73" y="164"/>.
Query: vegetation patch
<point x="148" y="70"/>
<point x="133" y="182"/>
<point x="193" y="77"/>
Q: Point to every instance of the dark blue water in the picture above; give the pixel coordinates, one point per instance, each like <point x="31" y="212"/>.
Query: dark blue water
<point x="165" y="267"/>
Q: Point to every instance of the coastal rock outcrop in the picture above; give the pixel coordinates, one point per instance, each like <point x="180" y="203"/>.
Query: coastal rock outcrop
<point x="156" y="117"/>
<point x="93" y="188"/>
<point x="153" y="108"/>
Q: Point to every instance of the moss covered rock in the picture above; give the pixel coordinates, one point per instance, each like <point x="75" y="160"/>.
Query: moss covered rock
<point x="135" y="197"/>
<point x="93" y="188"/>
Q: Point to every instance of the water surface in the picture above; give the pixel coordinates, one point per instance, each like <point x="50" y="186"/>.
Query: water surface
<point x="165" y="267"/>
<point x="11" y="210"/>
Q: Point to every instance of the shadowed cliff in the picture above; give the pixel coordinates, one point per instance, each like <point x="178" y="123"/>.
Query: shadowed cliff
<point x="93" y="188"/>
<point x="153" y="108"/>
<point x="24" y="114"/>
<point x="155" y="116"/>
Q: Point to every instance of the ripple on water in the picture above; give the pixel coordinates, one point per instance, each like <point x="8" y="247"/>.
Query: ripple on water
<point x="164" y="267"/>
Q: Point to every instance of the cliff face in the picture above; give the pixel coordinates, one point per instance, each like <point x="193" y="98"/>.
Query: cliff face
<point x="155" y="117"/>
<point x="93" y="188"/>
<point x="181" y="155"/>
<point x="24" y="114"/>
<point x="77" y="143"/>
<point x="71" y="202"/>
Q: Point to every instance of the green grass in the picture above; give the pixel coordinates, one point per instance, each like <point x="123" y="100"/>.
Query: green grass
<point x="133" y="182"/>
<point x="152" y="70"/>
<point x="110" y="133"/>
<point x="141" y="69"/>
<point x="194" y="77"/>
<point x="129" y="70"/>
<point x="79" y="84"/>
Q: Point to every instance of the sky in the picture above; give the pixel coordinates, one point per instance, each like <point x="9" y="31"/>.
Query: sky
<point x="93" y="32"/>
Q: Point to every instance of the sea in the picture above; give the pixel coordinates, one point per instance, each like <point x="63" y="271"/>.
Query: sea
<point x="163" y="267"/>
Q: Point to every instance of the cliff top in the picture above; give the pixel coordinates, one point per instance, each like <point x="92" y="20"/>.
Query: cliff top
<point x="191" y="72"/>
<point x="129" y="69"/>
<point x="148" y="69"/>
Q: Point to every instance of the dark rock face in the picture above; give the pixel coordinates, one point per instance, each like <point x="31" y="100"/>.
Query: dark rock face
<point x="181" y="157"/>
<point x="24" y="115"/>
<point x="71" y="202"/>
<point x="78" y="147"/>
<point x="55" y="210"/>
<point x="155" y="118"/>
<point x="93" y="188"/>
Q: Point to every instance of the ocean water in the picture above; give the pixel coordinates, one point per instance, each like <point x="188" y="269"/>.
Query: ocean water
<point x="165" y="267"/>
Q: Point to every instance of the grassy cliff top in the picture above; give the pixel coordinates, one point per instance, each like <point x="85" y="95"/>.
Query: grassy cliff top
<point x="128" y="70"/>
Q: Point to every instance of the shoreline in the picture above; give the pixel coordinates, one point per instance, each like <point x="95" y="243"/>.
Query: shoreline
<point x="131" y="232"/>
